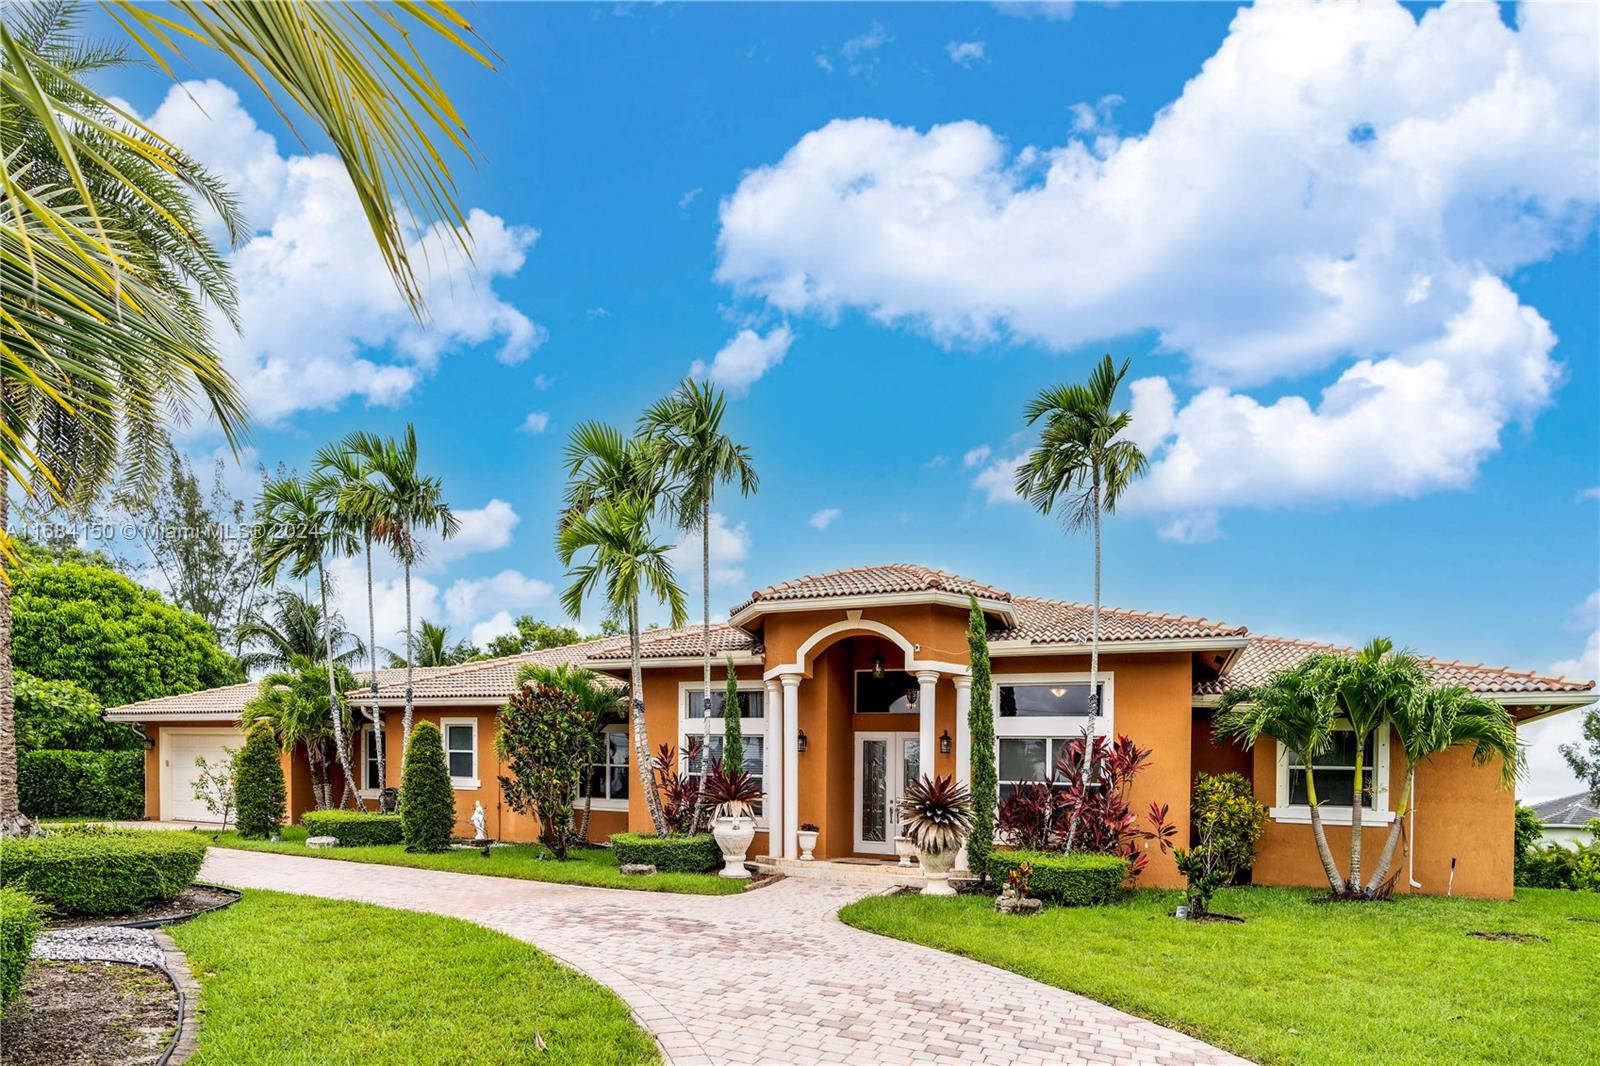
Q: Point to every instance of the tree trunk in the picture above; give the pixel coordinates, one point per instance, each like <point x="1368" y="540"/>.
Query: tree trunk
<point x="13" y="823"/>
<point x="1386" y="859"/>
<point x="1094" y="663"/>
<point x="705" y="640"/>
<point x="333" y="697"/>
<point x="376" y="713"/>
<point x="405" y="721"/>
<point x="588" y="806"/>
<point x="1358" y="803"/>
<point x="641" y="738"/>
<point x="1324" y="852"/>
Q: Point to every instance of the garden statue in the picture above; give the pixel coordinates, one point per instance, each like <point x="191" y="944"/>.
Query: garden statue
<point x="477" y="823"/>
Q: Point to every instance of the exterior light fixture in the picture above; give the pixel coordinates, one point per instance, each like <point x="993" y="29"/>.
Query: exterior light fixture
<point x="944" y="742"/>
<point x="877" y="666"/>
<point x="800" y="741"/>
<point x="911" y="698"/>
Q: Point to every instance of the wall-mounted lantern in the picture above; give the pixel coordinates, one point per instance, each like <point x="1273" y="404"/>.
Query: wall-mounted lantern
<point x="944" y="742"/>
<point x="800" y="741"/>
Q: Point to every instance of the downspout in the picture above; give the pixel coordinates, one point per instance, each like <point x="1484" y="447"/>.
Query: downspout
<point x="1411" y="844"/>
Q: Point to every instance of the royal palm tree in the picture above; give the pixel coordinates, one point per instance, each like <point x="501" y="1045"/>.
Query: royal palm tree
<point x="1437" y="719"/>
<point x="621" y="562"/>
<point x="1295" y="708"/>
<point x="598" y="699"/>
<point x="294" y="626"/>
<point x="431" y="646"/>
<point x="290" y="701"/>
<point x="1080" y="468"/>
<point x="297" y="532"/>
<point x="699" y="458"/>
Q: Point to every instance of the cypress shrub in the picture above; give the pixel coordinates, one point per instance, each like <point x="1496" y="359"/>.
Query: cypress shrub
<point x="81" y="784"/>
<point x="258" y="789"/>
<point x="1074" y="879"/>
<point x="688" y="853"/>
<point x="980" y="726"/>
<point x="20" y="921"/>
<point x="353" y="829"/>
<point x="427" y="802"/>
<point x="104" y="871"/>
<point x="732" y="725"/>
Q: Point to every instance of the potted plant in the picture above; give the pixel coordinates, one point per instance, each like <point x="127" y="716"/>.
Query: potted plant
<point x="903" y="845"/>
<point x="807" y="835"/>
<point x="731" y="795"/>
<point x="938" y="817"/>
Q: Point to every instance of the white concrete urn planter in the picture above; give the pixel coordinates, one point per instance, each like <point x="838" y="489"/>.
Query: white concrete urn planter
<point x="904" y="848"/>
<point x="734" y="834"/>
<point x="808" y="841"/>
<point x="936" y="871"/>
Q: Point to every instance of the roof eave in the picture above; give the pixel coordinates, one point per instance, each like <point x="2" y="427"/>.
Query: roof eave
<point x="658" y="662"/>
<point x="1002" y="609"/>
<point x="1076" y="647"/>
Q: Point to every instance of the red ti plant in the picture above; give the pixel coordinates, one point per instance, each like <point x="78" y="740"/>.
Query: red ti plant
<point x="679" y="792"/>
<point x="1028" y="816"/>
<point x="1106" y="822"/>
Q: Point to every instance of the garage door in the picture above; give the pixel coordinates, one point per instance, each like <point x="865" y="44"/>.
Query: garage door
<point x="182" y="751"/>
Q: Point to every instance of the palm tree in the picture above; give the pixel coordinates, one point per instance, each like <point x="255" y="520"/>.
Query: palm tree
<point x="296" y="531"/>
<point x="1295" y="708"/>
<point x="289" y="701"/>
<point x="400" y="502"/>
<point x="622" y="561"/>
<point x="431" y="646"/>
<point x="691" y="445"/>
<point x="1083" y="464"/>
<point x="598" y="700"/>
<point x="1435" y="720"/>
<point x="603" y="465"/>
<point x="294" y="627"/>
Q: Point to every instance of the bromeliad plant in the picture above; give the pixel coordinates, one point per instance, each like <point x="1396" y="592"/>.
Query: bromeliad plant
<point x="937" y="814"/>
<point x="729" y="793"/>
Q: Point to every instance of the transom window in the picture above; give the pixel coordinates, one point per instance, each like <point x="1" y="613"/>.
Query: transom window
<point x="1060" y="699"/>
<point x="752" y="703"/>
<point x="607" y="780"/>
<point x="461" y="750"/>
<point x="1335" y="772"/>
<point x="895" y="692"/>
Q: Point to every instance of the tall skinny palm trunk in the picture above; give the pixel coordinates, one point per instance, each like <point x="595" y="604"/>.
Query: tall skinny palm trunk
<point x="705" y="647"/>
<point x="1324" y="852"/>
<point x="1386" y="858"/>
<point x="1358" y="802"/>
<point x="405" y="721"/>
<point x="641" y="739"/>
<point x="13" y="823"/>
<point x="376" y="714"/>
<point x="1094" y="664"/>
<point x="333" y="698"/>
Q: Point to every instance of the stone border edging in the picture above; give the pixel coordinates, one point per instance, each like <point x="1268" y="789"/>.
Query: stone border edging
<point x="176" y="966"/>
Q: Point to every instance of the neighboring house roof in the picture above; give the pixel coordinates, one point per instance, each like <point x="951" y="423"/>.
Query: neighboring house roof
<point x="1041" y="621"/>
<point x="1574" y="811"/>
<point x="226" y="702"/>
<point x="884" y="580"/>
<point x="1265" y="656"/>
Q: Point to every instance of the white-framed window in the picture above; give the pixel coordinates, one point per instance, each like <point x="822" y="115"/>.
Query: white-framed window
<point x="371" y="782"/>
<point x="607" y="780"/>
<point x="1027" y="760"/>
<point x="752" y="726"/>
<point x="1035" y="715"/>
<point x="1335" y="772"/>
<point x="461" y="750"/>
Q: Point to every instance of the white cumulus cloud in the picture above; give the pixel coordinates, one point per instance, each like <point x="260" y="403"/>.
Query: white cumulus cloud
<point x="536" y="422"/>
<point x="743" y="360"/>
<point x="964" y="53"/>
<point x="824" y="518"/>
<point x="973" y="456"/>
<point x="470" y="599"/>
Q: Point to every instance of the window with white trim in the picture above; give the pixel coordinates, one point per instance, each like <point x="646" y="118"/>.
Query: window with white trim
<point x="1335" y="774"/>
<point x="692" y="721"/>
<point x="607" y="780"/>
<point x="1058" y="699"/>
<point x="461" y="750"/>
<point x="1036" y="715"/>
<point x="371" y="780"/>
<point x="1028" y="760"/>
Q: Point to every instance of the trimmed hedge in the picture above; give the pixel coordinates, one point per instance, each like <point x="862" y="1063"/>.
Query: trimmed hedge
<point x="427" y="802"/>
<point x="21" y="918"/>
<point x="111" y="872"/>
<point x="1079" y="879"/>
<point x="686" y="853"/>
<point x="81" y="784"/>
<point x="354" y="830"/>
<point x="258" y="788"/>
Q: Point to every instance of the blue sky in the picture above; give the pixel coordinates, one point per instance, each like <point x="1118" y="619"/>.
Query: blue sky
<point x="1361" y="203"/>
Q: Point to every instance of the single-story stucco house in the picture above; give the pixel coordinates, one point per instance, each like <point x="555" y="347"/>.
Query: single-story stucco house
<point x="853" y="682"/>
<point x="1566" y="820"/>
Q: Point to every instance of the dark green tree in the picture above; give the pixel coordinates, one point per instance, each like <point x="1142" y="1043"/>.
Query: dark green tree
<point x="427" y="804"/>
<point x="61" y="716"/>
<point x="732" y="725"/>
<point x="980" y="724"/>
<point x="533" y="634"/>
<point x="545" y="738"/>
<point x="1585" y="758"/>
<point x="258" y="789"/>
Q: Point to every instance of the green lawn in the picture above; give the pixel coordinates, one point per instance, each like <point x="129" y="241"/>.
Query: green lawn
<point x="530" y="862"/>
<point x="1398" y="982"/>
<point x="291" y="979"/>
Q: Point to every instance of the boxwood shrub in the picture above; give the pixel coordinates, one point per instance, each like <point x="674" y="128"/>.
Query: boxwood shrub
<point x="427" y="802"/>
<point x="354" y="830"/>
<point x="21" y="918"/>
<point x="688" y="853"/>
<point x="81" y="784"/>
<point x="258" y="786"/>
<point x="115" y="872"/>
<point x="1078" y="879"/>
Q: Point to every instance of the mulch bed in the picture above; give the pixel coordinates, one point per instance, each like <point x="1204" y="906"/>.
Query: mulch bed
<point x="1212" y="917"/>
<point x="89" y="1014"/>
<point x="1515" y="938"/>
<point x="188" y="903"/>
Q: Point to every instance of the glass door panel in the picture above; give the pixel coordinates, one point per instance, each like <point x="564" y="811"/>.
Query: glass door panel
<point x="874" y="791"/>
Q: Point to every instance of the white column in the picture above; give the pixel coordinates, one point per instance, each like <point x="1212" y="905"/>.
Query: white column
<point x="791" y="765"/>
<point x="927" y="745"/>
<point x="774" y="768"/>
<point x="963" y="747"/>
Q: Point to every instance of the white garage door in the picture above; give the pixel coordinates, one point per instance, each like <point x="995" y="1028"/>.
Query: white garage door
<point x="182" y="751"/>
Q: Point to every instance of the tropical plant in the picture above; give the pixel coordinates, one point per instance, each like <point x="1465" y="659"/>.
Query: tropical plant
<point x="1227" y="820"/>
<point x="258" y="786"/>
<point x="937" y="813"/>
<point x="1585" y="758"/>
<point x="1525" y="833"/>
<point x="293" y="626"/>
<point x="294" y="703"/>
<point x="678" y="793"/>
<point x="532" y="635"/>
<point x="622" y="560"/>
<point x="729" y="793"/>
<point x="1027" y="818"/>
<point x="213" y="785"/>
<point x="1082" y="465"/>
<point x="431" y="646"/>
<point x="1094" y="792"/>
<point x="60" y="715"/>
<point x="980" y="730"/>
<point x="427" y="802"/>
<point x="1553" y="866"/>
<point x="545" y="739"/>
<point x="599" y="699"/>
<point x="686" y="428"/>
<point x="295" y="532"/>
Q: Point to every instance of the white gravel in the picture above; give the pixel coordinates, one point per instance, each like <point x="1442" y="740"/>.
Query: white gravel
<point x="99" y="942"/>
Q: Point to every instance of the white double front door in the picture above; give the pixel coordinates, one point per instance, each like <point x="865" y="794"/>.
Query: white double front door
<point x="885" y="764"/>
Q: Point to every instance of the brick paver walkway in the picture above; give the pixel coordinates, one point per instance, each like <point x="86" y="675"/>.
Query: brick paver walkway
<point x="769" y="976"/>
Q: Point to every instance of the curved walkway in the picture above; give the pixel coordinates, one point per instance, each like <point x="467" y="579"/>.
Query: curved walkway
<point x="769" y="976"/>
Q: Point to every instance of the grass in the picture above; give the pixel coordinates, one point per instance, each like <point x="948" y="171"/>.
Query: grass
<point x="1397" y="982"/>
<point x="529" y="862"/>
<point x="291" y="979"/>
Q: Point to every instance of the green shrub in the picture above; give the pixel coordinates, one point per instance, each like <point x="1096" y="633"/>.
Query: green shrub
<point x="64" y="716"/>
<point x="688" y="853"/>
<point x="1525" y="834"/>
<point x="1227" y="820"/>
<point x="258" y="789"/>
<point x="354" y="830"/>
<point x="112" y="872"/>
<point x="21" y="918"/>
<point x="1553" y="866"/>
<point x="1079" y="879"/>
<point x="81" y="784"/>
<point x="427" y="802"/>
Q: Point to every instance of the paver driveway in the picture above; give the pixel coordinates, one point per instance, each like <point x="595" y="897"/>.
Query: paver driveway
<point x="769" y="976"/>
